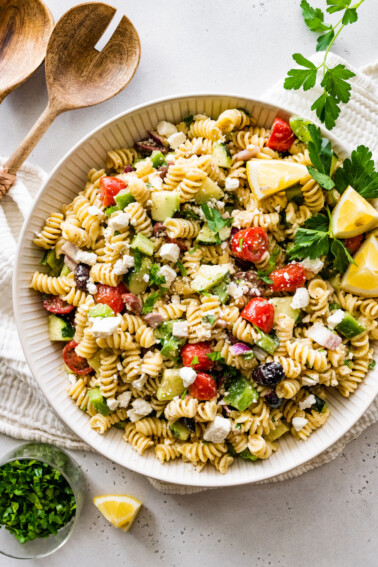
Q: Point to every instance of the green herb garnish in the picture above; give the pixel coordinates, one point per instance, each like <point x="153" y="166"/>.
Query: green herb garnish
<point x="216" y="357"/>
<point x="189" y="214"/>
<point x="188" y="120"/>
<point x="215" y="221"/>
<point x="182" y="268"/>
<point x="35" y="499"/>
<point x="155" y="279"/>
<point x="264" y="274"/>
<point x="193" y="249"/>
<point x="194" y="360"/>
<point x="210" y="319"/>
<point x="152" y="299"/>
<point x="137" y="260"/>
<point x="333" y="306"/>
<point x="335" y="80"/>
<point x="359" y="172"/>
<point x="321" y="156"/>
<point x="184" y="393"/>
<point x="110" y="210"/>
<point x="372" y="364"/>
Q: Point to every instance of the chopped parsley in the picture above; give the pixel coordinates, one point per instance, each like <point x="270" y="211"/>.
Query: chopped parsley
<point x="372" y="364"/>
<point x="264" y="274"/>
<point x="359" y="172"/>
<point x="188" y="120"/>
<point x="152" y="299"/>
<point x="137" y="260"/>
<point x="194" y="360"/>
<point x="35" y="499"/>
<point x="184" y="393"/>
<point x="216" y="357"/>
<point x="110" y="210"/>
<point x="182" y="268"/>
<point x="189" y="214"/>
<point x="155" y="279"/>
<point x="193" y="249"/>
<point x="215" y="220"/>
<point x="210" y="319"/>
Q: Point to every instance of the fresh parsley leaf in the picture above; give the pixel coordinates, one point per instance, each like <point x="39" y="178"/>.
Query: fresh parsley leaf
<point x="194" y="361"/>
<point x="137" y="260"/>
<point x="350" y="16"/>
<point x="193" y="249"/>
<point x="216" y="357"/>
<point x="342" y="258"/>
<point x="335" y="82"/>
<point x="320" y="150"/>
<point x="327" y="110"/>
<point x="170" y="347"/>
<point x="263" y="274"/>
<point x="348" y="363"/>
<point x="324" y="180"/>
<point x="189" y="214"/>
<point x="152" y="299"/>
<point x="333" y="306"/>
<point x="312" y="240"/>
<point x="184" y="393"/>
<point x="155" y="279"/>
<point x="264" y="278"/>
<point x="210" y="319"/>
<point x="188" y="120"/>
<point x="314" y="18"/>
<point x="241" y="243"/>
<point x="372" y="364"/>
<point x="337" y="5"/>
<point x="215" y="220"/>
<point x="324" y="40"/>
<point x="359" y="172"/>
<point x="182" y="268"/>
<point x="297" y="78"/>
<point x="110" y="210"/>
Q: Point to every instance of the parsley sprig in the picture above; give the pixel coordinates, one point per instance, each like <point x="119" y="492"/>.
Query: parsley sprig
<point x="336" y="88"/>
<point x="359" y="172"/>
<point x="215" y="220"/>
<point x="264" y="274"/>
<point x="155" y="279"/>
<point x="152" y="299"/>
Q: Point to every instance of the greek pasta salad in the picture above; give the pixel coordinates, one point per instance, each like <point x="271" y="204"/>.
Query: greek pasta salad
<point x="212" y="284"/>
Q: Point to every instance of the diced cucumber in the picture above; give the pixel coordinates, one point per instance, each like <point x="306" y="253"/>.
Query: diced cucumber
<point x="135" y="280"/>
<point x="320" y="405"/>
<point x="207" y="236"/>
<point x="179" y="430"/>
<point x="208" y="190"/>
<point x="60" y="329"/>
<point x="98" y="401"/>
<point x="295" y="194"/>
<point x="55" y="264"/>
<point x="349" y="326"/>
<point x="94" y="361"/>
<point x="143" y="244"/>
<point x="267" y="342"/>
<point x="208" y="276"/>
<point x="171" y="385"/>
<point x="65" y="271"/>
<point x="123" y="199"/>
<point x="170" y="345"/>
<point x="157" y="159"/>
<point x="280" y="430"/>
<point x="164" y="204"/>
<point x="300" y="125"/>
<point x="221" y="290"/>
<point x="241" y="394"/>
<point x="221" y="155"/>
<point x="101" y="310"/>
<point x="283" y="305"/>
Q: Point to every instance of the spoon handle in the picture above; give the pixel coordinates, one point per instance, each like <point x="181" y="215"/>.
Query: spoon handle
<point x="13" y="164"/>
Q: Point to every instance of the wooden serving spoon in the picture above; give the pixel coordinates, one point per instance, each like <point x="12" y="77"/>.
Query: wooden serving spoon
<point x="25" y="28"/>
<point x="77" y="74"/>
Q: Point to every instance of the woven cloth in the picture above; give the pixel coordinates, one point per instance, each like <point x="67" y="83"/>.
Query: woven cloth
<point x="24" y="411"/>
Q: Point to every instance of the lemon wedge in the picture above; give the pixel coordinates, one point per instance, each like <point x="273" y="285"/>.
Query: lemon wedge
<point x="363" y="278"/>
<point x="266" y="177"/>
<point x="120" y="509"/>
<point x="353" y="215"/>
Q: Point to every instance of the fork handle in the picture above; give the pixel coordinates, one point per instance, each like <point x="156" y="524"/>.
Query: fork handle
<point x="13" y="164"/>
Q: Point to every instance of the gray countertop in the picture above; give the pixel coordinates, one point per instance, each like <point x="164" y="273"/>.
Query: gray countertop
<point x="326" y="517"/>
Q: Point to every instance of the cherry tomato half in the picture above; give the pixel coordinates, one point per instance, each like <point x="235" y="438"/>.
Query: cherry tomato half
<point x="109" y="188"/>
<point x="354" y="243"/>
<point x="288" y="278"/>
<point x="111" y="296"/>
<point x="199" y="350"/>
<point x="54" y="304"/>
<point x="282" y="137"/>
<point x="250" y="244"/>
<point x="76" y="363"/>
<point x="259" y="312"/>
<point x="204" y="387"/>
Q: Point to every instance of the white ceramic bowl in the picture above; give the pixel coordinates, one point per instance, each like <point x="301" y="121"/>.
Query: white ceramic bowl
<point x="44" y="358"/>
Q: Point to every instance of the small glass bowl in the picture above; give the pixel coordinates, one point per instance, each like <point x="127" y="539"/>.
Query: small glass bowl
<point x="65" y="464"/>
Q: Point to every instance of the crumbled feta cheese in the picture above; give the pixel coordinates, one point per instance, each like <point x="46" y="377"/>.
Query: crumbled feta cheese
<point x="169" y="274"/>
<point x="180" y="329"/>
<point x="170" y="252"/>
<point x="156" y="181"/>
<point x="223" y="245"/>
<point x="217" y="431"/>
<point x="124" y="399"/>
<point x="188" y="376"/>
<point x="166" y="129"/>
<point x="123" y="265"/>
<point x="309" y="380"/>
<point x="301" y="299"/>
<point x="307" y="402"/>
<point x="140" y="382"/>
<point x="95" y="211"/>
<point x="175" y="299"/>
<point x="146" y="278"/>
<point x="108" y="232"/>
<point x="336" y="318"/>
<point x="175" y="140"/>
<point x="299" y="422"/>
<point x="104" y="326"/>
<point x="231" y="184"/>
<point x="235" y="290"/>
<point x="119" y="221"/>
<point x="89" y="258"/>
<point x="140" y="408"/>
<point x="119" y="366"/>
<point x="203" y="333"/>
<point x="313" y="266"/>
<point x="91" y="287"/>
<point x="112" y="403"/>
<point x="323" y="336"/>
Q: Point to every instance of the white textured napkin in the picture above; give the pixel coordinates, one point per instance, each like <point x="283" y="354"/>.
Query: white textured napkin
<point x="24" y="411"/>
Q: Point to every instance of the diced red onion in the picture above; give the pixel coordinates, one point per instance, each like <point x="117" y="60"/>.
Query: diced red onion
<point x="128" y="169"/>
<point x="245" y="155"/>
<point x="239" y="348"/>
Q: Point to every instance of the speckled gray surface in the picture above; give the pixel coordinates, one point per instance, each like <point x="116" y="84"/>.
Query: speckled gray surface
<point x="327" y="517"/>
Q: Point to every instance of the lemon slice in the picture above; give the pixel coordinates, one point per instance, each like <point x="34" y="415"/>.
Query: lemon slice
<point x="353" y="215"/>
<point x="120" y="509"/>
<point x="266" y="177"/>
<point x="363" y="278"/>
